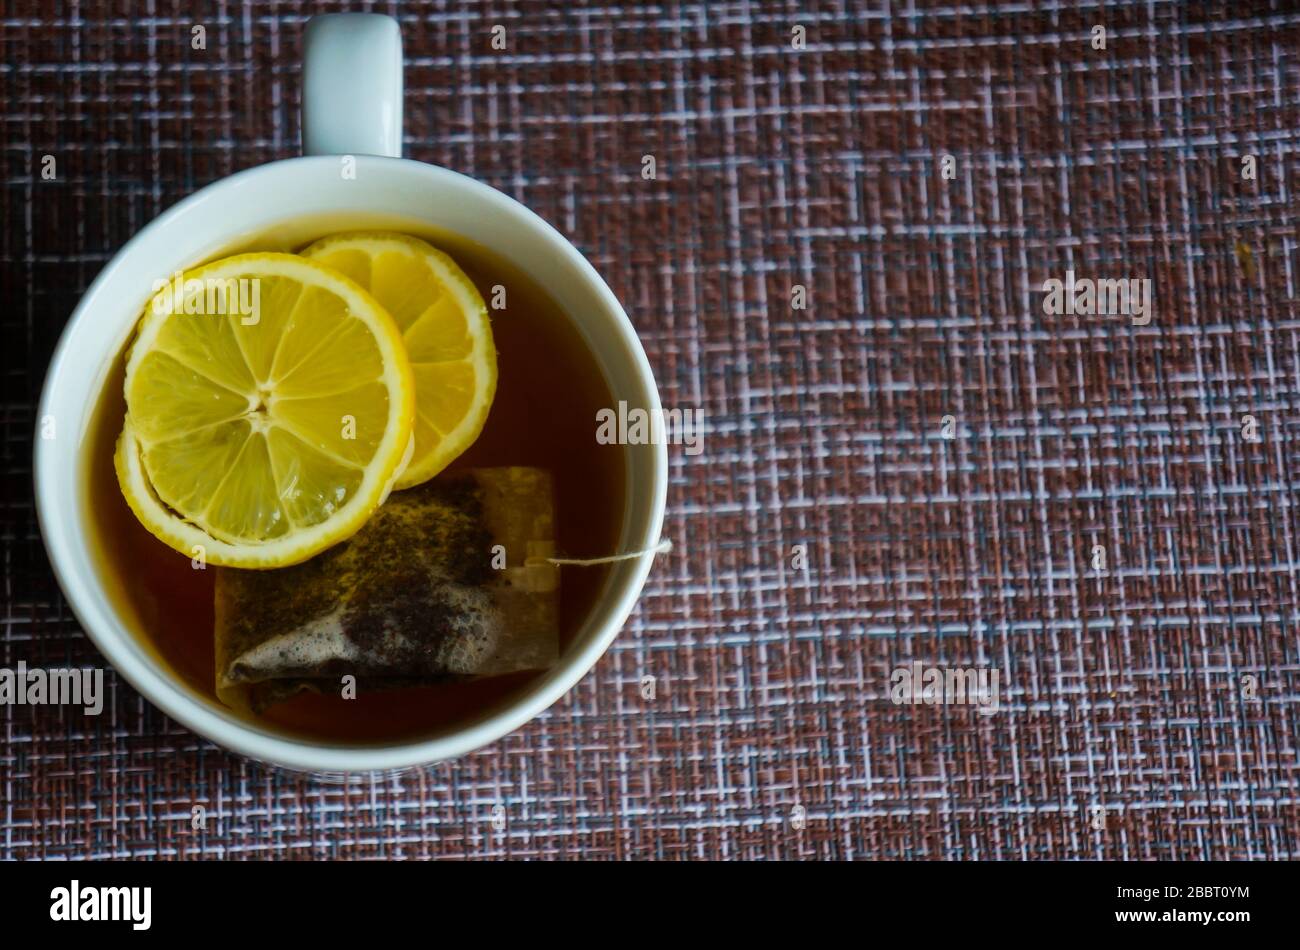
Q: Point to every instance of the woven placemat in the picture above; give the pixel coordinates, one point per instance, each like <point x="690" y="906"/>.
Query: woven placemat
<point x="1101" y="509"/>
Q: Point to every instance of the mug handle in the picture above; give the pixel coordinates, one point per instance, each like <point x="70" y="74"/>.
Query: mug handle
<point x="352" y="85"/>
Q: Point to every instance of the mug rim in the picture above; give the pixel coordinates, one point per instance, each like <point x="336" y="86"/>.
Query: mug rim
<point x="60" y="528"/>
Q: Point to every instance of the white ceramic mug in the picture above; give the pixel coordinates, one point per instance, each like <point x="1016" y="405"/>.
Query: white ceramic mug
<point x="352" y="94"/>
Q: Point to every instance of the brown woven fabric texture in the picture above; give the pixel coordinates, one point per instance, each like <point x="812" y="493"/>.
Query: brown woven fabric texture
<point x="841" y="261"/>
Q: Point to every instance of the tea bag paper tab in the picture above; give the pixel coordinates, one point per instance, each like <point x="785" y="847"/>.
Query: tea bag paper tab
<point x="413" y="598"/>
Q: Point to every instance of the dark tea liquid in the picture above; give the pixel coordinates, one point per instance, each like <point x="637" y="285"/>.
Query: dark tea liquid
<point x="549" y="389"/>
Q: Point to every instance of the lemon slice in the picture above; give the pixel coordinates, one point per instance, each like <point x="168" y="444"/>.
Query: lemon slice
<point x="265" y="425"/>
<point x="445" y="327"/>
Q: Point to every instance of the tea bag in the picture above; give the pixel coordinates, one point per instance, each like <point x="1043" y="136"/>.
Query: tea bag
<point x="420" y="595"/>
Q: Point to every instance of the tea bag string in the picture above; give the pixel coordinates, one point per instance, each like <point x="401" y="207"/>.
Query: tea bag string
<point x="663" y="547"/>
